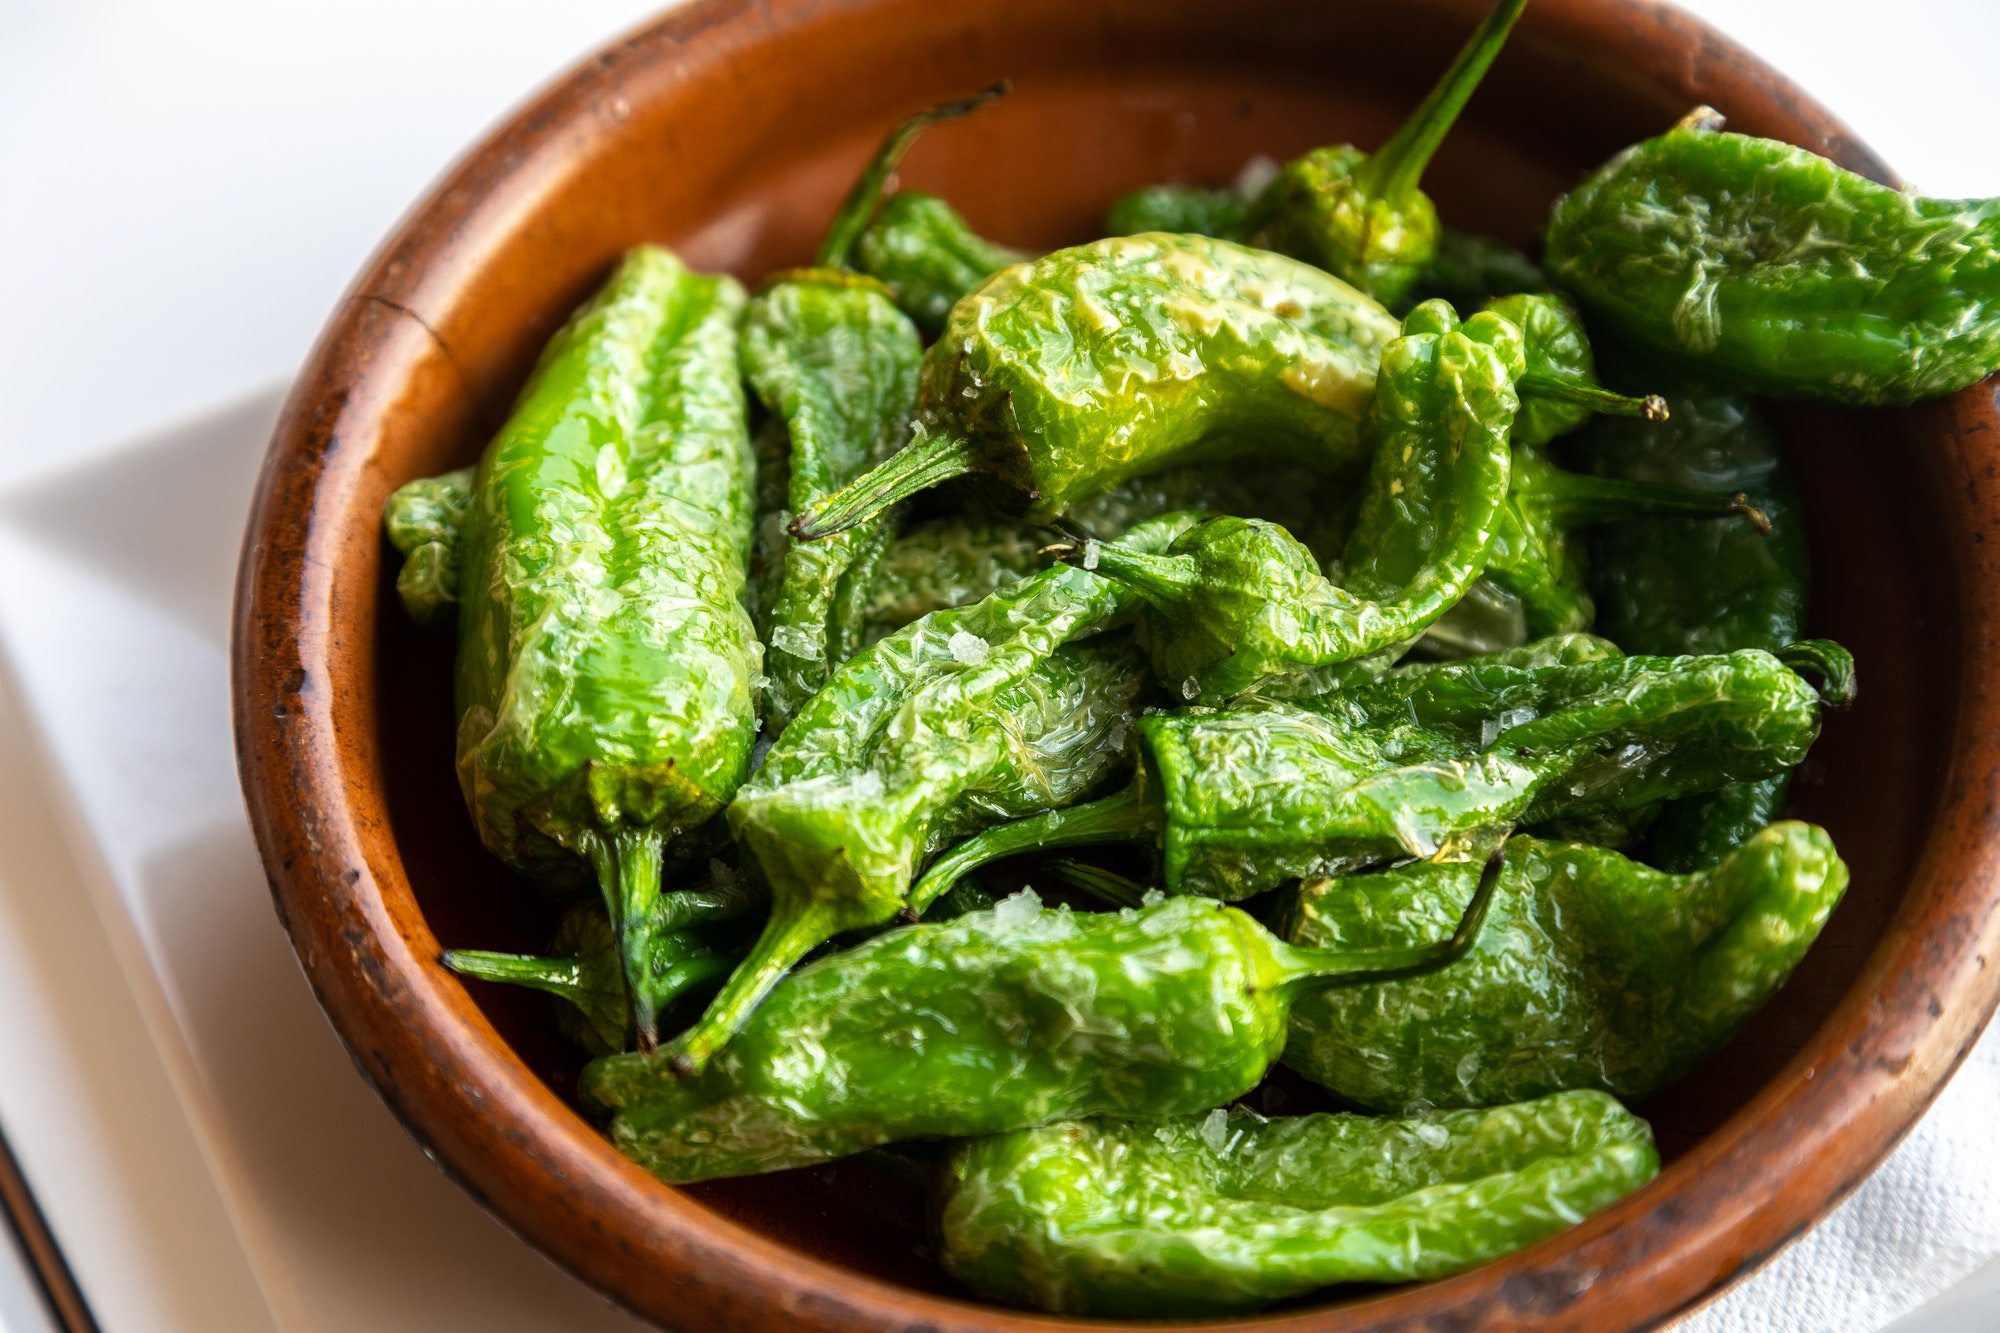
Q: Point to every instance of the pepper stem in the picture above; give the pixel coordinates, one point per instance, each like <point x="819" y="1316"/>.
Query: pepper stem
<point x="1576" y="499"/>
<point x="922" y="464"/>
<point x="561" y="977"/>
<point x="785" y="940"/>
<point x="1350" y="967"/>
<point x="1096" y="881"/>
<point x="1167" y="581"/>
<point x="1833" y="664"/>
<point x="704" y="971"/>
<point x="858" y="208"/>
<point x="1393" y="172"/>
<point x="628" y="874"/>
<point x="1598" y="399"/>
<point x="1128" y="816"/>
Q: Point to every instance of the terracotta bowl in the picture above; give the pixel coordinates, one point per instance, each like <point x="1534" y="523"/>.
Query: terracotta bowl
<point x="728" y="131"/>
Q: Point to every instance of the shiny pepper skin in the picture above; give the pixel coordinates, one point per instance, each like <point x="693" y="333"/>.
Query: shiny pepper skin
<point x="423" y="520"/>
<point x="1064" y="376"/>
<point x="1227" y="1212"/>
<point x="1593" y="971"/>
<point x="1776" y="272"/>
<point x="996" y="1021"/>
<point x="923" y="251"/>
<point x="1236" y="602"/>
<point x="1234" y="802"/>
<point x="605" y="657"/>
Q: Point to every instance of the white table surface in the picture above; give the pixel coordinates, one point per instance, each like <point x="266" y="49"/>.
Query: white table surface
<point x="188" y="188"/>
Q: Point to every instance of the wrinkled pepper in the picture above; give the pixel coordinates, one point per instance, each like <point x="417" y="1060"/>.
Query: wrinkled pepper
<point x="1469" y="270"/>
<point x="996" y="1021"/>
<point x="1235" y="602"/>
<point x="605" y="656"/>
<point x="1066" y="375"/>
<point x="1771" y="269"/>
<point x="964" y="718"/>
<point x="1593" y="971"/>
<point x="923" y="251"/>
<point x="1419" y="763"/>
<point x="423" y="520"/>
<point x="1227" y="1212"/>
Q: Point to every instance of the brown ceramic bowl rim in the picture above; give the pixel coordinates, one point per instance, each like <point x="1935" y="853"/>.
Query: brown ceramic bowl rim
<point x="302" y="711"/>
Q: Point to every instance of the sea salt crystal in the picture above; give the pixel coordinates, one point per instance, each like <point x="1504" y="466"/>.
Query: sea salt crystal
<point x="968" y="648"/>
<point x="1215" y="1130"/>
<point x="1017" y="910"/>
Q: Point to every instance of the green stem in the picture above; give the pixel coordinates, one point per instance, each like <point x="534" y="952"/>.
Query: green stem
<point x="628" y="874"/>
<point x="1576" y="499"/>
<point x="858" y="208"/>
<point x="1598" y="399"/>
<point x="785" y="940"/>
<point x="561" y="977"/>
<point x="922" y="464"/>
<point x="703" y="972"/>
<point x="1393" y="172"/>
<point x="1302" y="968"/>
<point x="1097" y="882"/>
<point x="1129" y="816"/>
<point x="1167" y="581"/>
<point x="1833" y="663"/>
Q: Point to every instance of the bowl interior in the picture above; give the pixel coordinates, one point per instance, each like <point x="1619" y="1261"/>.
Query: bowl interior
<point x="1096" y="111"/>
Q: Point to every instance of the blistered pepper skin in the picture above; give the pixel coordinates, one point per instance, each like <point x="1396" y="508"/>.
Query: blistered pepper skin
<point x="1226" y="1213"/>
<point x="1768" y="265"/>
<point x="1593" y="971"/>
<point x="605" y="657"/>
<point x="923" y="251"/>
<point x="423" y="520"/>
<point x="830" y="356"/>
<point x="1063" y="376"/>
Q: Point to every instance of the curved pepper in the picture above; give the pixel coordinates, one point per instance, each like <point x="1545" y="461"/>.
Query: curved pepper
<point x="605" y="657"/>
<point x="1226" y="1212"/>
<point x="1066" y="375"/>
<point x="1593" y="971"/>
<point x="1421" y="763"/>
<point x="1185" y="210"/>
<point x="966" y="717"/>
<point x="1469" y="270"/>
<point x="1360" y="216"/>
<point x="923" y="251"/>
<point x="992" y="1022"/>
<point x="1768" y="265"/>
<point x="1235" y="602"/>
<point x="423" y="520"/>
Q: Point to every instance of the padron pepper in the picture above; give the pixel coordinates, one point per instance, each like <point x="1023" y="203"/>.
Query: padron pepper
<point x="1361" y="216"/>
<point x="923" y="251"/>
<point x="1420" y="763"/>
<point x="1236" y="602"/>
<point x="605" y="656"/>
<point x="1227" y="1212"/>
<point x="423" y="520"/>
<point x="1469" y="270"/>
<point x="1066" y="375"/>
<point x="1593" y="971"/>
<point x="964" y="718"/>
<point x="1772" y="269"/>
<point x="993" y="1022"/>
<point x="834" y="360"/>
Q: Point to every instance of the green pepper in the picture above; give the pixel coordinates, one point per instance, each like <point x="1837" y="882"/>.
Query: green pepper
<point x="1361" y="217"/>
<point x="923" y="251"/>
<point x="1235" y="602"/>
<point x="1226" y="1212"/>
<point x="423" y="520"/>
<point x="1064" y="376"/>
<point x="605" y="657"/>
<point x="1421" y="763"/>
<point x="1674" y="585"/>
<point x="1771" y="268"/>
<point x="694" y="944"/>
<point x="1469" y="270"/>
<point x="949" y="562"/>
<point x="996" y="1021"/>
<point x="1182" y="209"/>
<point x="964" y="718"/>
<point x="1593" y="971"/>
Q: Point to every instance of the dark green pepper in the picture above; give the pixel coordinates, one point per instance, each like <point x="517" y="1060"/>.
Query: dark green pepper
<point x="1064" y="376"/>
<point x="1593" y="971"/>
<point x="1469" y="270"/>
<point x="1361" y="217"/>
<point x="1772" y="268"/>
<point x="996" y="1021"/>
<point x="423" y="520"/>
<point x="605" y="657"/>
<point x="1226" y="1212"/>
<point x="950" y="562"/>
<point x="924" y="252"/>
<point x="1181" y="209"/>
<point x="1422" y="763"/>
<point x="961" y="719"/>
<point x="1235" y="602"/>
